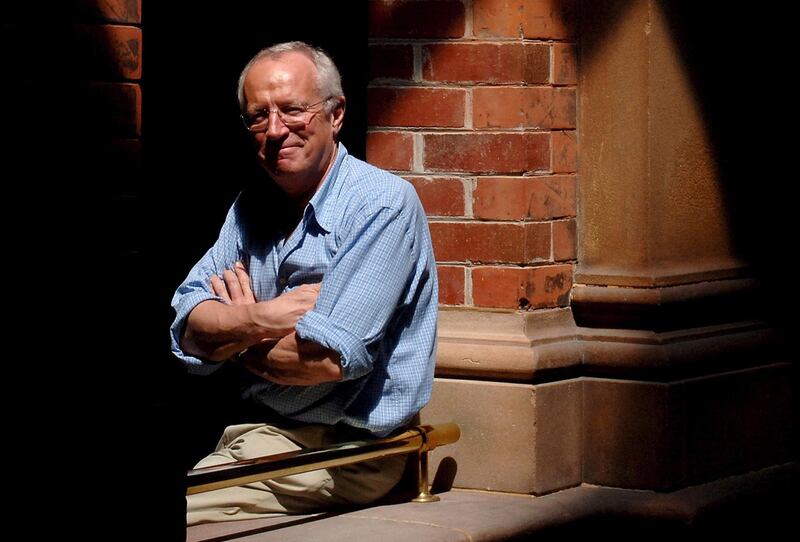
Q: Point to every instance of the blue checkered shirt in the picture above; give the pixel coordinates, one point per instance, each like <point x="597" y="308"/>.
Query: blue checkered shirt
<point x="365" y="236"/>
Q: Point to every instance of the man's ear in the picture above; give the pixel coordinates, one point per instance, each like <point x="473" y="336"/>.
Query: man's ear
<point x="338" y="116"/>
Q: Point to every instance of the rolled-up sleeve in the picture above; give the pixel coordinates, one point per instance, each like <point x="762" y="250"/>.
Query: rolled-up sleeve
<point x="196" y="288"/>
<point x="367" y="281"/>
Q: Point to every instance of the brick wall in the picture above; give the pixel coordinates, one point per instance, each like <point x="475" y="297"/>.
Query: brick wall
<point x="474" y="102"/>
<point x="75" y="69"/>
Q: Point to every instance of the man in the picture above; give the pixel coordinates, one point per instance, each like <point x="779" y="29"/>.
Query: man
<point x="322" y="286"/>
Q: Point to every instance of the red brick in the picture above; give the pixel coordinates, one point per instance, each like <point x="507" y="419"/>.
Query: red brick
<point x="477" y="242"/>
<point x="512" y="107"/>
<point x="95" y="52"/>
<point x="564" y="240"/>
<point x="565" y="152"/>
<point x="474" y="62"/>
<point x="487" y="153"/>
<point x="484" y="242"/>
<point x="552" y="197"/>
<point x="514" y="198"/>
<point x="498" y="107"/>
<point x="391" y="62"/>
<point x="120" y="11"/>
<point x="502" y="198"/>
<point x="537" y="240"/>
<point x="74" y="11"/>
<point x="538" y="107"/>
<point x="549" y="19"/>
<point x="565" y="64"/>
<point x="522" y="288"/>
<point x="117" y="51"/>
<point x="564" y="108"/>
<point x="440" y="196"/>
<point x="487" y="62"/>
<point x="497" y="18"/>
<point x="390" y="150"/>
<point x="524" y="18"/>
<point x="416" y="19"/>
<point x="537" y="63"/>
<point x="415" y="107"/>
<point x="451" y="284"/>
<point x="120" y="104"/>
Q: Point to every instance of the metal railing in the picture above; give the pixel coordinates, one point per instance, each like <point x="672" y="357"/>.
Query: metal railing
<point x="418" y="440"/>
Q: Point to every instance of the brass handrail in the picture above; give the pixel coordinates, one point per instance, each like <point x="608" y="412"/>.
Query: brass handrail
<point x="419" y="440"/>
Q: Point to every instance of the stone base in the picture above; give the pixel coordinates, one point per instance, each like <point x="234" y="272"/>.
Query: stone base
<point x="539" y="438"/>
<point x="760" y="503"/>
<point x="520" y="438"/>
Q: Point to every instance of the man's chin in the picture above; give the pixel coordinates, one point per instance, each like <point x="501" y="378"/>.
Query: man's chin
<point x="287" y="181"/>
<point x="279" y="168"/>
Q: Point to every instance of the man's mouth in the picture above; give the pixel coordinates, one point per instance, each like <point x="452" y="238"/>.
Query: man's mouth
<point x="276" y="153"/>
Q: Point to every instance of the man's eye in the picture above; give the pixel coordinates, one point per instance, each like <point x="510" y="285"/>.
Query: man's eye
<point x="259" y="116"/>
<point x="293" y="110"/>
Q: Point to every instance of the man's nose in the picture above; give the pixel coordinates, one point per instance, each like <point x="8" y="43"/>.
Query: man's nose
<point x="276" y="129"/>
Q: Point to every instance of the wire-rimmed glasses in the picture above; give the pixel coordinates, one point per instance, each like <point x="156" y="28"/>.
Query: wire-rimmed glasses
<point x="293" y="116"/>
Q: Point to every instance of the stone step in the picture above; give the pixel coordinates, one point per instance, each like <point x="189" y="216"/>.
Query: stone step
<point x="762" y="499"/>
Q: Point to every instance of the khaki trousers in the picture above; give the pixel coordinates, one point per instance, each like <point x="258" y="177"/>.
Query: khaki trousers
<point x="315" y="491"/>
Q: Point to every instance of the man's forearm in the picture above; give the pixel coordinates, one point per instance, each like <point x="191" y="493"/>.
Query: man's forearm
<point x="295" y="362"/>
<point x="216" y="331"/>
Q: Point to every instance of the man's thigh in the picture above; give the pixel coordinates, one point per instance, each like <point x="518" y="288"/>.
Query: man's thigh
<point x="314" y="491"/>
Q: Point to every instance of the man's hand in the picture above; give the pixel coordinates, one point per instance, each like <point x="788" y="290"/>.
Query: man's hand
<point x="235" y="289"/>
<point x="282" y="313"/>
<point x="293" y="361"/>
<point x="216" y="331"/>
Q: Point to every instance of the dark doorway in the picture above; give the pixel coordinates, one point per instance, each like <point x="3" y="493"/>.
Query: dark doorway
<point x="197" y="157"/>
<point x="102" y="242"/>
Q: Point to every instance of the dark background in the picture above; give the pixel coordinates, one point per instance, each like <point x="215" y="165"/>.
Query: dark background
<point x="98" y="240"/>
<point x="199" y="156"/>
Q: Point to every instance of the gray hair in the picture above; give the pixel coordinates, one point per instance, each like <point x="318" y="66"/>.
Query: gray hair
<point x="329" y="82"/>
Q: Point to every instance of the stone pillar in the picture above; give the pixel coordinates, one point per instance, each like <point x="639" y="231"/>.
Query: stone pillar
<point x="684" y="382"/>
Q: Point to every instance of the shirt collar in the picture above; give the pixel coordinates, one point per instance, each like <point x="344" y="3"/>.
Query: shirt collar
<point x="319" y="206"/>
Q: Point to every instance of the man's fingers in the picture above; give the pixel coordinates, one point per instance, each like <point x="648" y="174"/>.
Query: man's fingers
<point x="313" y="288"/>
<point x="219" y="288"/>
<point x="307" y="294"/>
<point x="234" y="288"/>
<point x="244" y="282"/>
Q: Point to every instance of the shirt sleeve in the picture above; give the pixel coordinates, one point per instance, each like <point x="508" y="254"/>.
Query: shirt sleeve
<point x="196" y="288"/>
<point x="369" y="278"/>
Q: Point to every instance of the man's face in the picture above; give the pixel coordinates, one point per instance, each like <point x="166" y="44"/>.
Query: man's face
<point x="298" y="158"/>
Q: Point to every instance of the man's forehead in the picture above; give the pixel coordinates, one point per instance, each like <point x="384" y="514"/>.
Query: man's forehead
<point x="282" y="71"/>
<point x="281" y="77"/>
<point x="292" y="62"/>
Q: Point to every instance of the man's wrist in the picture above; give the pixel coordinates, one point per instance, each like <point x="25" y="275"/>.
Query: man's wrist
<point x="263" y="325"/>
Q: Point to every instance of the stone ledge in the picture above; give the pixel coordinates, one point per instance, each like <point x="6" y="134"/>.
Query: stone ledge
<point x="759" y="500"/>
<point x="548" y="345"/>
<point x="668" y="307"/>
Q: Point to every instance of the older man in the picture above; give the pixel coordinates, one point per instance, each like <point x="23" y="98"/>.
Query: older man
<point x="321" y="286"/>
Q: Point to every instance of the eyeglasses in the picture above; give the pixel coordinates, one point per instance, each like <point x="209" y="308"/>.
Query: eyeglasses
<point x="292" y="116"/>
